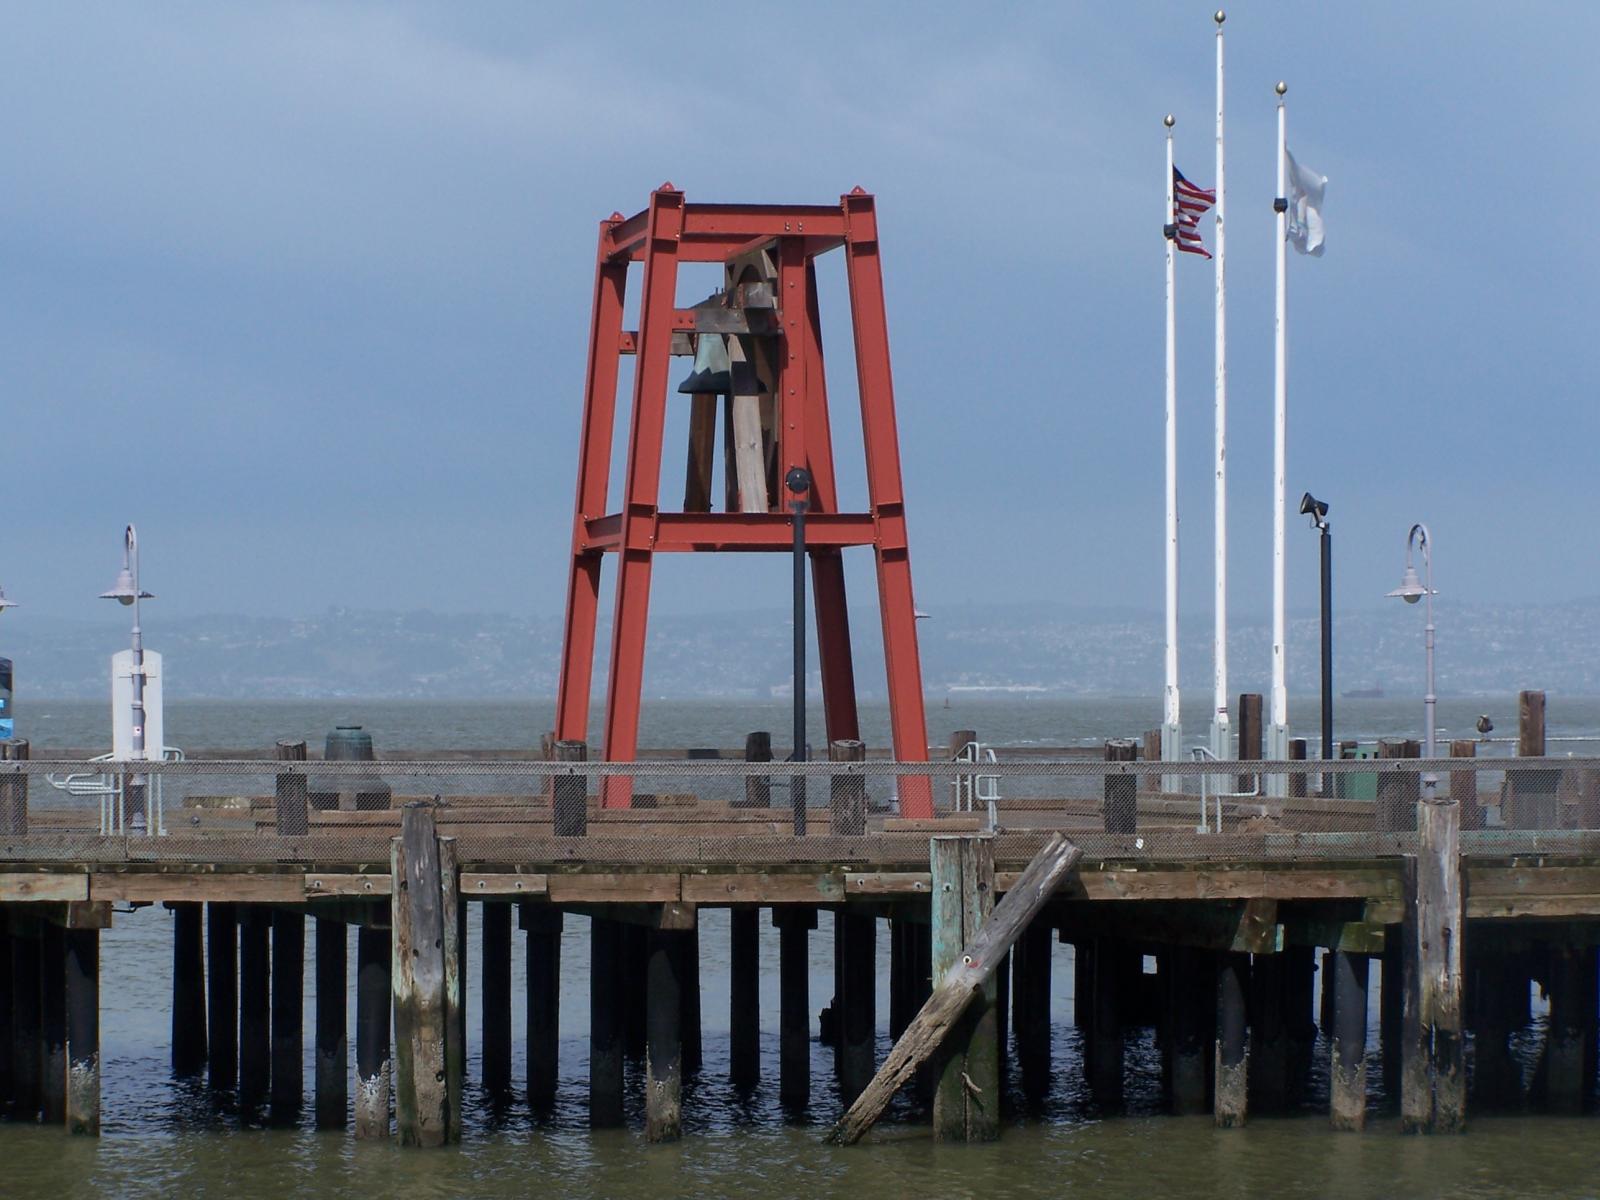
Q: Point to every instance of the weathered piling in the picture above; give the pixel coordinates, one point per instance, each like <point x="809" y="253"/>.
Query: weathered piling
<point x="222" y="996"/>
<point x="1121" y="813"/>
<point x="663" y="1097"/>
<point x="288" y="1014"/>
<point x="1230" y="1098"/>
<point x="543" y="926"/>
<point x="1297" y="781"/>
<point x="1347" y="1070"/>
<point x="52" y="1023"/>
<point x="744" y="998"/>
<point x="14" y="789"/>
<point x="5" y="1011"/>
<point x="332" y="1065"/>
<point x="27" y="1019"/>
<point x="1391" y="1009"/>
<point x="374" y="963"/>
<point x="570" y="792"/>
<point x="757" y="788"/>
<point x="856" y="991"/>
<point x="635" y="965"/>
<point x="605" y="1022"/>
<point x="453" y="916"/>
<point x="83" y="1030"/>
<point x="291" y="796"/>
<point x="1269" y="1035"/>
<point x="496" y="984"/>
<point x="794" y="924"/>
<point x="1433" y="1085"/>
<point x="688" y="949"/>
<point x="847" y="796"/>
<point x="1464" y="785"/>
<point x="1101" y="1011"/>
<point x="424" y="933"/>
<point x="255" y="1012"/>
<point x="966" y="1100"/>
<point x="1396" y="806"/>
<point x="1496" y="1083"/>
<point x="1531" y="796"/>
<point x="1191" y="993"/>
<point x="1250" y="736"/>
<point x="188" y="989"/>
<point x="1030" y="995"/>
<point x="1567" y="1076"/>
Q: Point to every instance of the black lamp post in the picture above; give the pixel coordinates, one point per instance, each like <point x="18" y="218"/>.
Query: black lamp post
<point x="1317" y="510"/>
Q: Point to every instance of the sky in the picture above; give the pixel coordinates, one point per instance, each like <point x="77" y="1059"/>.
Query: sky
<point x="304" y="289"/>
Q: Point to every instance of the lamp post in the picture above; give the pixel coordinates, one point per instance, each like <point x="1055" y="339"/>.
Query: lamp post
<point x="7" y="728"/>
<point x="1411" y="590"/>
<point x="126" y="591"/>
<point x="1317" y="510"/>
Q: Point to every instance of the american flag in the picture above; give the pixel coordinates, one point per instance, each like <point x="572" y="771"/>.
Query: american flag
<point x="1191" y="203"/>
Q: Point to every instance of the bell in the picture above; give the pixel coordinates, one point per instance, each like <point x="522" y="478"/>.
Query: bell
<point x="712" y="371"/>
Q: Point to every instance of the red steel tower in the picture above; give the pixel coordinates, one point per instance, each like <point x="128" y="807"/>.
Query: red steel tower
<point x="760" y="339"/>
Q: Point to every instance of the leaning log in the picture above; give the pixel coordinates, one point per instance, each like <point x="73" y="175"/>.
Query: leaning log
<point x="955" y="992"/>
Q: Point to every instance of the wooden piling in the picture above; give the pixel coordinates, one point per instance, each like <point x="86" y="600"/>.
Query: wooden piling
<point x="6" y="1048"/>
<point x="1496" y="1076"/>
<point x="222" y="996"/>
<point x="52" y="1023"/>
<point x="14" y="789"/>
<point x="543" y="926"/>
<point x="1103" y="1054"/>
<point x="1396" y="806"/>
<point x="1297" y="781"/>
<point x="1300" y="994"/>
<point x="332" y="1065"/>
<point x="1191" y="993"/>
<point x="635" y="965"/>
<point x="1030" y="959"/>
<point x="1568" y="1079"/>
<point x="288" y="1014"/>
<point x="418" y="984"/>
<point x="1391" y="1010"/>
<point x="1230" y="1105"/>
<point x="453" y="917"/>
<point x="1150" y="751"/>
<point x="255" y="1007"/>
<point x="188" y="989"/>
<point x="27" y="1019"/>
<point x="847" y="796"/>
<point x="605" y="1022"/>
<point x="794" y="923"/>
<point x="899" y="966"/>
<point x="663" y="1095"/>
<point x="744" y="999"/>
<point x="757" y="788"/>
<point x="374" y="963"/>
<point x="1439" y="1075"/>
<point x="291" y="797"/>
<point x="966" y="1100"/>
<point x="571" y="798"/>
<point x="1269" y="1035"/>
<point x="1464" y="785"/>
<point x="83" y="1031"/>
<point x="496" y="985"/>
<point x="1347" y="1071"/>
<point x="1531" y="794"/>
<point x="856" y="934"/>
<point x="1250" y="736"/>
<point x="1121" y="813"/>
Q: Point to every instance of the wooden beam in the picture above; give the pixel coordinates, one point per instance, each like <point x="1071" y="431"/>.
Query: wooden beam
<point x="960" y="985"/>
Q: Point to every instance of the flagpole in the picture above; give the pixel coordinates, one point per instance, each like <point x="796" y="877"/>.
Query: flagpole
<point x="1221" y="727"/>
<point x="1278" y="734"/>
<point x="1172" y="725"/>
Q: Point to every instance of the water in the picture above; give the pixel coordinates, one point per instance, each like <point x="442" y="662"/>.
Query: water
<point x="170" y="1137"/>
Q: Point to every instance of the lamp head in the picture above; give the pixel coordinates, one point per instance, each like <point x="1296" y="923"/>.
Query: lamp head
<point x="1410" y="589"/>
<point x="123" y="590"/>
<point x="1311" y="507"/>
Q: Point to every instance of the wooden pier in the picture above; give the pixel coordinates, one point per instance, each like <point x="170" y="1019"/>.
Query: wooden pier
<point x="1238" y="947"/>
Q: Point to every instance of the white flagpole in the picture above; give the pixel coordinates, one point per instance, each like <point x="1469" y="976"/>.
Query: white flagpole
<point x="1221" y="727"/>
<point x="1172" y="726"/>
<point x="1278" y="734"/>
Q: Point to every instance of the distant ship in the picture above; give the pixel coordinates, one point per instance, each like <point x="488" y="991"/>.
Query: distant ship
<point x="1371" y="693"/>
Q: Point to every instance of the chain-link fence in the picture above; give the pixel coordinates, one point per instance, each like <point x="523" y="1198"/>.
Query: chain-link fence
<point x="698" y="813"/>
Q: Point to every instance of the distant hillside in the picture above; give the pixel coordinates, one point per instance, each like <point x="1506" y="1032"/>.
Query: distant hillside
<point x="1065" y="651"/>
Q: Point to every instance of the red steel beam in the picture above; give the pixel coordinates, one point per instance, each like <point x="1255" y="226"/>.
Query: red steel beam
<point x="676" y="532"/>
<point x="730" y="226"/>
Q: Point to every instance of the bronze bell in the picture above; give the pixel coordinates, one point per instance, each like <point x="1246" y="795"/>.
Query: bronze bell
<point x="712" y="371"/>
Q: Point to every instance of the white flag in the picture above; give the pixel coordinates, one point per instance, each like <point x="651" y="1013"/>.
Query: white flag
<point x="1305" y="208"/>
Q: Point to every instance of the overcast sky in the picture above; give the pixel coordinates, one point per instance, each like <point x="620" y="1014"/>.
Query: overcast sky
<point x="304" y="289"/>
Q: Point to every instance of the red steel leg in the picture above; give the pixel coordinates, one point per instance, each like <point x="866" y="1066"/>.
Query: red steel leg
<point x="594" y="465"/>
<point x="885" y="493"/>
<point x="641" y="490"/>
